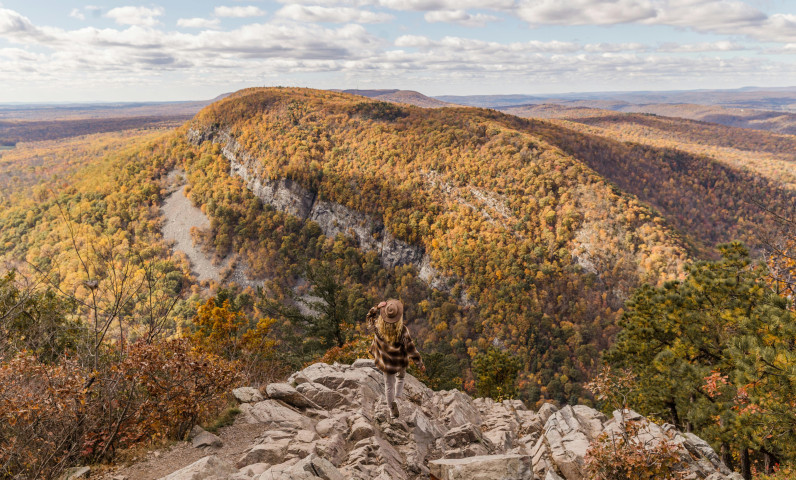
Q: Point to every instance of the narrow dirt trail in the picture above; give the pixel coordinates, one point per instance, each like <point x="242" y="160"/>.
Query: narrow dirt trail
<point x="158" y="463"/>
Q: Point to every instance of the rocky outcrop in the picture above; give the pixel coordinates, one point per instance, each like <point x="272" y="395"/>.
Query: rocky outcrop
<point x="288" y="196"/>
<point x="330" y="422"/>
<point x="201" y="438"/>
<point x="247" y="395"/>
<point x="207" y="468"/>
<point x="568" y="433"/>
<point x="491" y="467"/>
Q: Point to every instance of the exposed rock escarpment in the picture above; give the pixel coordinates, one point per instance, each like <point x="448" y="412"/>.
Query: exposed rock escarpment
<point x="330" y="422"/>
<point x="288" y="196"/>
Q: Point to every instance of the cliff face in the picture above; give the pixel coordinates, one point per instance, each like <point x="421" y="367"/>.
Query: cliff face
<point x="330" y="422"/>
<point x="288" y="196"/>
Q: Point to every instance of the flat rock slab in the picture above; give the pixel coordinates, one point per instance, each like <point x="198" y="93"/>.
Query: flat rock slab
<point x="289" y="395"/>
<point x="275" y="414"/>
<point x="207" y="468"/>
<point x="76" y="472"/>
<point x="363" y="363"/>
<point x="485" y="467"/>
<point x="207" y="439"/>
<point x="247" y="395"/>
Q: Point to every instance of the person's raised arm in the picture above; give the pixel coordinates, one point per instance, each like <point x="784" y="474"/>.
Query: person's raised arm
<point x="371" y="317"/>
<point x="411" y="351"/>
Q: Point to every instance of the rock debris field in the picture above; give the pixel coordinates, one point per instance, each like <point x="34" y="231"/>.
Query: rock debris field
<point x="329" y="422"/>
<point x="180" y="216"/>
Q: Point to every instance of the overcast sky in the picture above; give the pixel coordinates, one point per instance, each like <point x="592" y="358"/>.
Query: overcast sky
<point x="64" y="50"/>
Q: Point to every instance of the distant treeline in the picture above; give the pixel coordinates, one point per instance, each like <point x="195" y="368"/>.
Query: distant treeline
<point x="13" y="132"/>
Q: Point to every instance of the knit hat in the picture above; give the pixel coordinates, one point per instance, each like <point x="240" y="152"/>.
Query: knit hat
<point x="391" y="311"/>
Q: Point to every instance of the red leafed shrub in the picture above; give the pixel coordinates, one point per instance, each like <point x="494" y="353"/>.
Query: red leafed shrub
<point x="174" y="386"/>
<point x="53" y="416"/>
<point x="42" y="416"/>
<point x="631" y="453"/>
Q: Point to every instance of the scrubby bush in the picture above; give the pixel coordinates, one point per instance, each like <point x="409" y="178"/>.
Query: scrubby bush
<point x="53" y="416"/>
<point x="632" y="453"/>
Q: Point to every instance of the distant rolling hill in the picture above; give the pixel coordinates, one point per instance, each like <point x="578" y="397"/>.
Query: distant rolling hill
<point x="409" y="97"/>
<point x="770" y="155"/>
<point x="776" y="99"/>
<point x="13" y="132"/>
<point x="759" y="109"/>
<point x="774" y="121"/>
<point x="39" y="122"/>
<point x="82" y="111"/>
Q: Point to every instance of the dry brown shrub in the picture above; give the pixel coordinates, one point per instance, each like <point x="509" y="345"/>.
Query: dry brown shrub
<point x="53" y="416"/>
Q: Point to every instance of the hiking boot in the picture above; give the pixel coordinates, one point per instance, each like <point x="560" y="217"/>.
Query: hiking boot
<point x="394" y="410"/>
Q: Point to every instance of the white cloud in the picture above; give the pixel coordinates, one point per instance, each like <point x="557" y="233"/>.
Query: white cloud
<point x="496" y="48"/>
<point x="459" y="16"/>
<point x="723" y="17"/>
<point x="198" y="22"/>
<point x="315" y="13"/>
<point x="778" y="28"/>
<point x="141" y="16"/>
<point x="76" y="13"/>
<point x="707" y="15"/>
<point x="615" y="47"/>
<point x="287" y="49"/>
<point x="585" y="12"/>
<point x="238" y="12"/>
<point x="449" y="5"/>
<point x="721" y="46"/>
<point x="19" y="28"/>
<point x="412" y="41"/>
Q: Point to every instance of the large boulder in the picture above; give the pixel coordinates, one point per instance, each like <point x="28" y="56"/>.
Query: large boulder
<point x="457" y="409"/>
<point x="465" y="441"/>
<point x="247" y="395"/>
<point x="206" y="440"/>
<point x="272" y="452"/>
<point x="487" y="467"/>
<point x="546" y="411"/>
<point x="374" y="458"/>
<point x="319" y="467"/>
<point x="289" y="395"/>
<point x="568" y="434"/>
<point x="322" y="395"/>
<point x="207" y="468"/>
<point x="275" y="414"/>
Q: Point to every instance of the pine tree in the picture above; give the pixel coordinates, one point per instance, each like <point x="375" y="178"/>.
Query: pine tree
<point x="714" y="354"/>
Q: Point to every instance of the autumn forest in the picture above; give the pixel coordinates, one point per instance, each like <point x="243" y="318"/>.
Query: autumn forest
<point x="537" y="250"/>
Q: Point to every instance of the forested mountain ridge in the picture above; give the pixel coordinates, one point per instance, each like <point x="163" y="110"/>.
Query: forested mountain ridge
<point x="508" y="210"/>
<point x="545" y="248"/>
<point x="518" y="246"/>
<point x="712" y="182"/>
<point x="533" y="250"/>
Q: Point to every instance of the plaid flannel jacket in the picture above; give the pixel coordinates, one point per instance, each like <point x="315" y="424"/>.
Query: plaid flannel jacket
<point x="393" y="358"/>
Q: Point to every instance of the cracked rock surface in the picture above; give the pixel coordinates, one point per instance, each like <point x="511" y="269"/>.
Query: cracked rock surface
<point x="330" y="422"/>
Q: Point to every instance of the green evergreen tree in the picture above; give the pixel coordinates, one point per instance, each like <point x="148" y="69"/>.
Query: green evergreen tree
<point x="714" y="355"/>
<point x="496" y="374"/>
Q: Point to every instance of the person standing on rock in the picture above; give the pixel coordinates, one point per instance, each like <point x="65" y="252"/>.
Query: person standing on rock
<point x="392" y="348"/>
